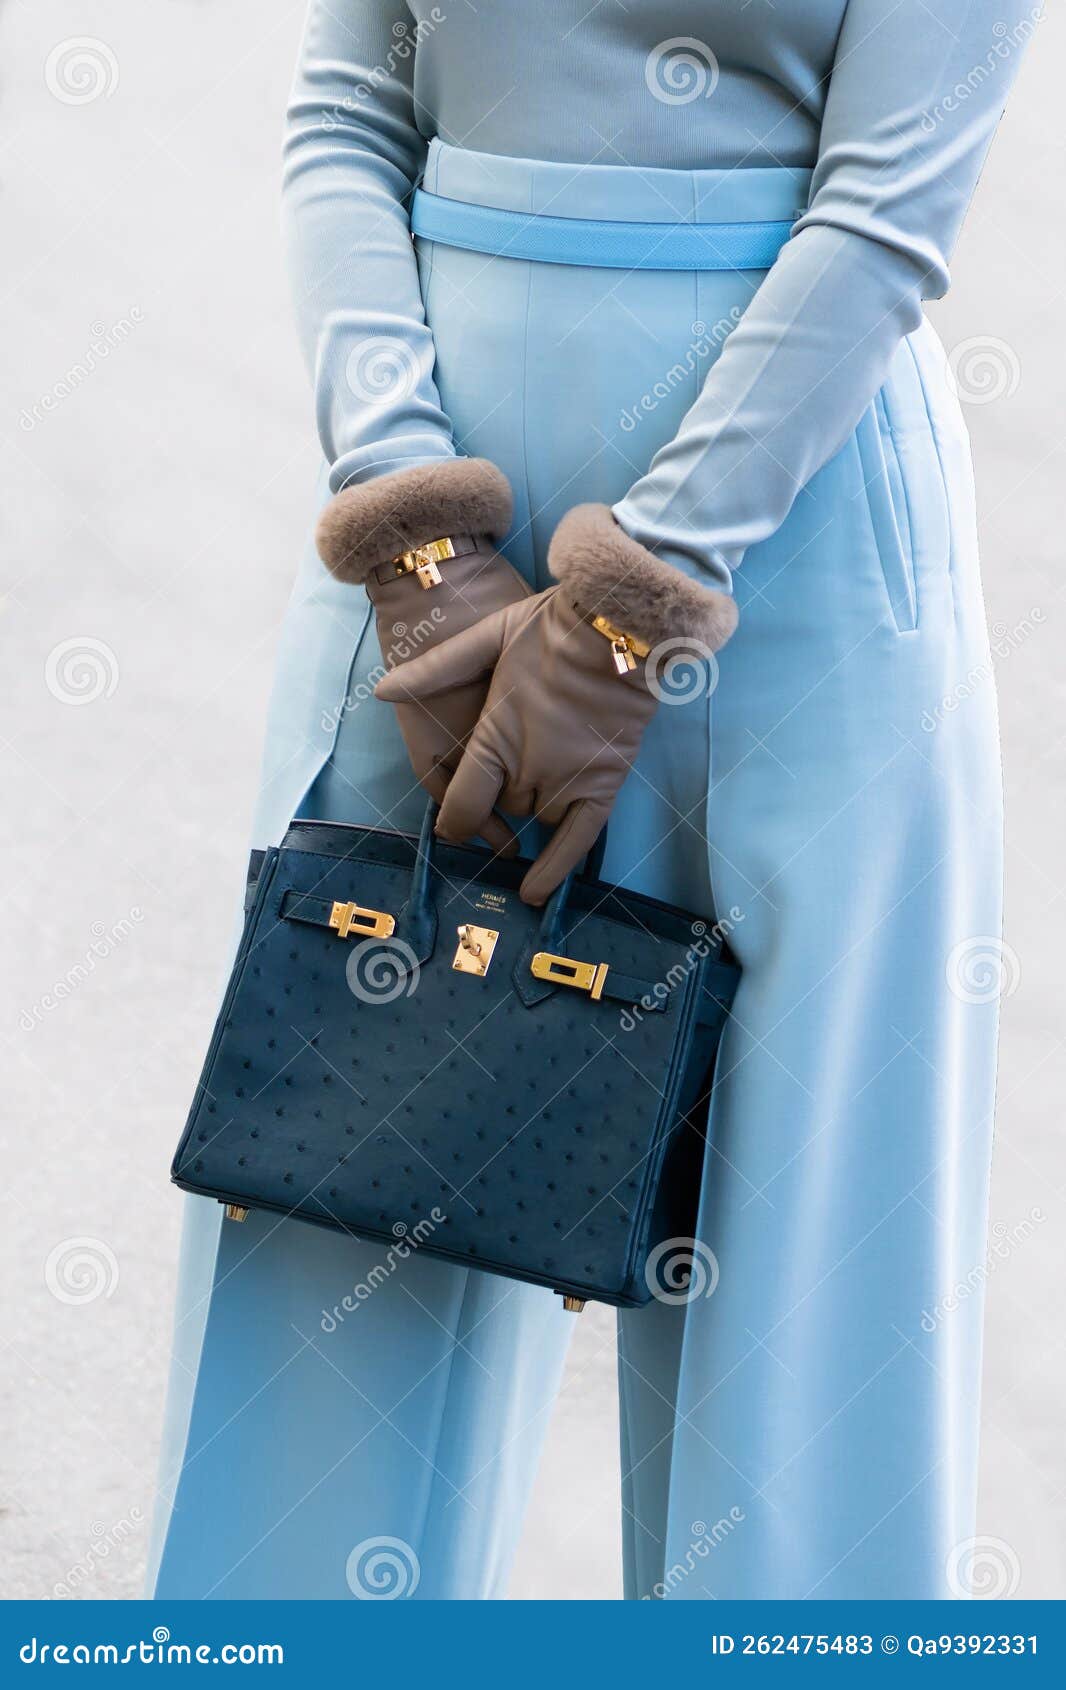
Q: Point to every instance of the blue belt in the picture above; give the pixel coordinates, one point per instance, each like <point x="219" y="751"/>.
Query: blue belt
<point x="599" y="243"/>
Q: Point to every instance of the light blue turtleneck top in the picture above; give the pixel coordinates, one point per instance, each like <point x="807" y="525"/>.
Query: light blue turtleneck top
<point x="893" y="104"/>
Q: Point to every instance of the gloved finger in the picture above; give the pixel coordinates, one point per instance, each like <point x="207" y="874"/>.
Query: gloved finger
<point x="551" y="811"/>
<point x="517" y="800"/>
<point x="501" y="839"/>
<point x="435" y="780"/>
<point x="571" y="841"/>
<point x="472" y="794"/>
<point x="453" y="663"/>
<point x="498" y="835"/>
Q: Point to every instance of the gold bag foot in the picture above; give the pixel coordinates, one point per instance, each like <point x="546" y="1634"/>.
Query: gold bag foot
<point x="574" y="1304"/>
<point x="234" y="1212"/>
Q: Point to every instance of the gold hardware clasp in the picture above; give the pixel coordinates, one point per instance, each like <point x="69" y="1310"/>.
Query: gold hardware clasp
<point x="625" y="648"/>
<point x="423" y="561"/>
<point x="564" y="971"/>
<point x="475" y="948"/>
<point x="352" y="918"/>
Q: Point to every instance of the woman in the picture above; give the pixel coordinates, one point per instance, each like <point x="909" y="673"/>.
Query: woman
<point x="666" y="297"/>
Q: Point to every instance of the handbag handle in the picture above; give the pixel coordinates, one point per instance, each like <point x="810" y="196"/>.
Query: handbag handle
<point x="547" y="937"/>
<point x="422" y="909"/>
<point x="420" y="915"/>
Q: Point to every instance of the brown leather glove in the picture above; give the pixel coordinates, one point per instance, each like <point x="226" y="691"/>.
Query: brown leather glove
<point x="418" y="541"/>
<point x="570" y="695"/>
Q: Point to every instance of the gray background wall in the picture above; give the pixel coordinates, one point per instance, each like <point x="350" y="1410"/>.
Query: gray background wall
<point x="151" y="516"/>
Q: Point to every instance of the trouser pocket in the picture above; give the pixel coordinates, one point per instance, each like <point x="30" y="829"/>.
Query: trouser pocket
<point x="890" y="515"/>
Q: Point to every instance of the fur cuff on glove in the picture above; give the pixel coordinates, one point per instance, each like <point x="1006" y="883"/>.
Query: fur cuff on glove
<point x="377" y="520"/>
<point x="614" y="576"/>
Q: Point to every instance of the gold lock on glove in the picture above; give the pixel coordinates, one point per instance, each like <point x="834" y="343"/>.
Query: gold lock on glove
<point x="420" y="542"/>
<point x="570" y="695"/>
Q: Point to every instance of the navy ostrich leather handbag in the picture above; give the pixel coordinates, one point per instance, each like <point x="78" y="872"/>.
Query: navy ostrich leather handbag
<point x="405" y="1048"/>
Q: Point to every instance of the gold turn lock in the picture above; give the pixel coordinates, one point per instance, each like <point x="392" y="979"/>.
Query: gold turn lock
<point x="564" y="971"/>
<point x="353" y="918"/>
<point x="423" y="561"/>
<point x="474" y="951"/>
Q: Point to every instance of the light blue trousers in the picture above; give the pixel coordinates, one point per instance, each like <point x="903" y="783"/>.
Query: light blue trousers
<point x="809" y="1429"/>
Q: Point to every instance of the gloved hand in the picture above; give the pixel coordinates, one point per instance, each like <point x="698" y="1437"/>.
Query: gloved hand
<point x="570" y="697"/>
<point x="418" y="541"/>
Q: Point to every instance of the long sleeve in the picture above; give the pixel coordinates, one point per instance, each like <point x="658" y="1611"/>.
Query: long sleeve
<point x="352" y="155"/>
<point x="915" y="94"/>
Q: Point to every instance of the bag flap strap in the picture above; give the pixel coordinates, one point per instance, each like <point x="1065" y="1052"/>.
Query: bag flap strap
<point x="412" y="942"/>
